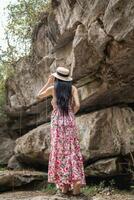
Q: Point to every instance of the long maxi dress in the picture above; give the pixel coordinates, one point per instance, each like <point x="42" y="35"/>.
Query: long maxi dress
<point x="65" y="159"/>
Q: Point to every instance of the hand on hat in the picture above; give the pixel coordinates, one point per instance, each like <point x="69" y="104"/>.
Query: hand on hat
<point x="51" y="79"/>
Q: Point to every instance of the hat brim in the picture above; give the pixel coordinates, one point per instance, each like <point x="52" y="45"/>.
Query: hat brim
<point x="62" y="78"/>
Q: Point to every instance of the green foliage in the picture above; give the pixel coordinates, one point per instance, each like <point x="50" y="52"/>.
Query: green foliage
<point x="2" y="168"/>
<point x="90" y="190"/>
<point x="2" y="99"/>
<point x="3" y="75"/>
<point x="49" y="188"/>
<point x="6" y="70"/>
<point x="22" y="18"/>
<point x="102" y="187"/>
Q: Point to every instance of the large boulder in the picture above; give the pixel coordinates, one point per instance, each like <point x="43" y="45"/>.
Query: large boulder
<point x="13" y="179"/>
<point x="33" y="148"/>
<point x="6" y="147"/>
<point x="106" y="133"/>
<point x="102" y="134"/>
<point x="13" y="163"/>
<point x="103" y="168"/>
<point x="31" y="78"/>
<point x="86" y="59"/>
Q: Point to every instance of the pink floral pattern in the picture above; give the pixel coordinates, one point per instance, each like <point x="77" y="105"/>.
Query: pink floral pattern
<point x="65" y="159"/>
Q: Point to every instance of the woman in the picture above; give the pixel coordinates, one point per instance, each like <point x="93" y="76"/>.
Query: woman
<point x="65" y="167"/>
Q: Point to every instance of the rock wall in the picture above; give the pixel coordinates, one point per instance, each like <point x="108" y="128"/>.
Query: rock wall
<point x="94" y="39"/>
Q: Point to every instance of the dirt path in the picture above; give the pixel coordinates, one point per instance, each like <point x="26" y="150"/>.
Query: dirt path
<point x="30" y="195"/>
<point x="37" y="195"/>
<point x="114" y="197"/>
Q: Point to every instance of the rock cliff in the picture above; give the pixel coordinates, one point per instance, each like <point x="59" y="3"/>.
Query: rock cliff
<point x="95" y="40"/>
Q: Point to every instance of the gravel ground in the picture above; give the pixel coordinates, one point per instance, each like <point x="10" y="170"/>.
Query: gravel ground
<point x="30" y="195"/>
<point x="37" y="195"/>
<point x="114" y="197"/>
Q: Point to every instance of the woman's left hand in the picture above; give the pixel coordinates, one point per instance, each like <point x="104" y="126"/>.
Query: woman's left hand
<point x="51" y="79"/>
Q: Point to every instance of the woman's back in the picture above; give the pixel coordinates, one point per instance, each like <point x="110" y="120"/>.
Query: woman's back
<point x="54" y="99"/>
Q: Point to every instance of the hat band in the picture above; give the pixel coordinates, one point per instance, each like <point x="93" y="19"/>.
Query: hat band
<point x="64" y="75"/>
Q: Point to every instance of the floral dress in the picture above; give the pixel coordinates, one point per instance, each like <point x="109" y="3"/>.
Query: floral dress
<point x="65" y="159"/>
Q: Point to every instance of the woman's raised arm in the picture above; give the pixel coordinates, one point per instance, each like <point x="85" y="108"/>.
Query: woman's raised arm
<point x="47" y="89"/>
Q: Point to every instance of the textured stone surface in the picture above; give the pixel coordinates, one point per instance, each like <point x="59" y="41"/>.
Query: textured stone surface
<point x="106" y="133"/>
<point x="12" y="179"/>
<point x="103" y="168"/>
<point x="33" y="148"/>
<point x="94" y="37"/>
<point x="102" y="134"/>
<point x="13" y="163"/>
<point x="6" y="147"/>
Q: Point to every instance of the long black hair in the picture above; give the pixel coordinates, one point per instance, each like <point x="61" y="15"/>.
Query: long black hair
<point x="63" y="91"/>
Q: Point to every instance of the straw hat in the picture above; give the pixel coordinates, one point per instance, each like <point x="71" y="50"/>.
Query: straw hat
<point x="62" y="73"/>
